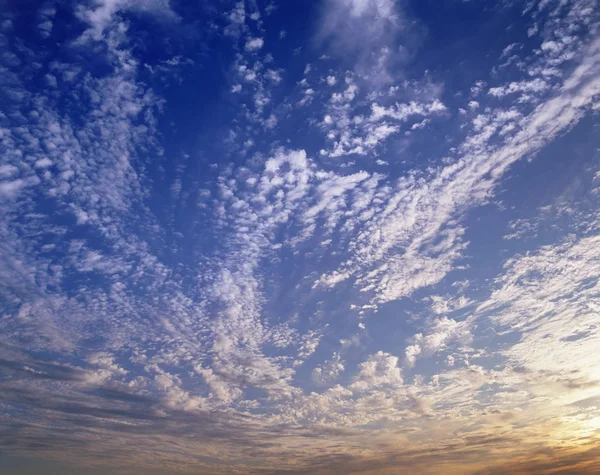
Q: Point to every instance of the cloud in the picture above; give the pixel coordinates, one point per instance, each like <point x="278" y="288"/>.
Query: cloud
<point x="329" y="371"/>
<point x="45" y="18"/>
<point x="350" y="134"/>
<point x="441" y="333"/>
<point x="380" y="22"/>
<point x="413" y="221"/>
<point x="100" y="16"/>
<point x="379" y="370"/>
<point x="535" y="86"/>
<point x="10" y="189"/>
<point x="227" y="306"/>
<point x="547" y="297"/>
<point x="254" y="44"/>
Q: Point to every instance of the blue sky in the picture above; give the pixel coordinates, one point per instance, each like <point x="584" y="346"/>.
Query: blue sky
<point x="340" y="236"/>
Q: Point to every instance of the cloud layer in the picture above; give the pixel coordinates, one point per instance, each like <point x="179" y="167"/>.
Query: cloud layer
<point x="216" y="258"/>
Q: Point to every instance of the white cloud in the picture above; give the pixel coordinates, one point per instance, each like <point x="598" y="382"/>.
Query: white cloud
<point x="412" y="220"/>
<point x="329" y="371"/>
<point x="380" y="23"/>
<point x="7" y="170"/>
<point x="213" y="312"/>
<point x="440" y="334"/>
<point x="549" y="298"/>
<point x="254" y="44"/>
<point x="103" y="12"/>
<point x="506" y="51"/>
<point x="536" y="85"/>
<point x="379" y="370"/>
<point x="271" y="122"/>
<point x="360" y="135"/>
<point x="10" y="189"/>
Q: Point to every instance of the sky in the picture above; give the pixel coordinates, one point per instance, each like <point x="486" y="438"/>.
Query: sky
<point x="299" y="237"/>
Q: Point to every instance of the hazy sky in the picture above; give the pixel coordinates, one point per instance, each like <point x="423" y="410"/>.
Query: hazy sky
<point x="299" y="237"/>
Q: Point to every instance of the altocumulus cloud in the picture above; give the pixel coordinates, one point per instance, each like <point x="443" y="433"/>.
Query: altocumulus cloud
<point x="244" y="238"/>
